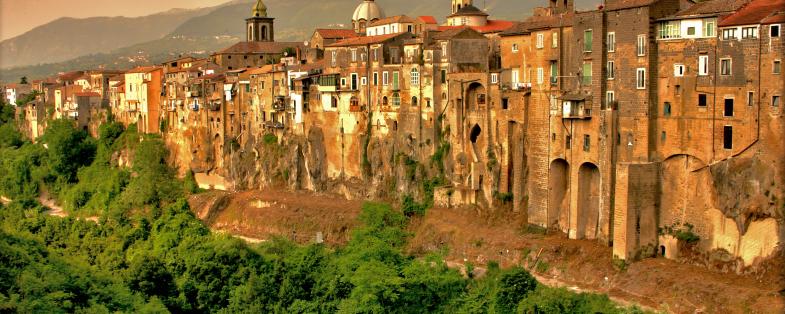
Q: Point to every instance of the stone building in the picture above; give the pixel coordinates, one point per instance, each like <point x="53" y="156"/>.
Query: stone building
<point x="366" y="13"/>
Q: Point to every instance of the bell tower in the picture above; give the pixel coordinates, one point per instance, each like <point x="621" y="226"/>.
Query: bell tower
<point x="259" y="27"/>
<point x="459" y="4"/>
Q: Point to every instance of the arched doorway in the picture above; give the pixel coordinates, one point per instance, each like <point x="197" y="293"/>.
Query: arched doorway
<point x="474" y="136"/>
<point x="475" y="97"/>
<point x="558" y="194"/>
<point x="588" y="201"/>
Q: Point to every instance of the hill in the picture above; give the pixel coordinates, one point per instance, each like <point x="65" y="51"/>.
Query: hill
<point x="68" y="38"/>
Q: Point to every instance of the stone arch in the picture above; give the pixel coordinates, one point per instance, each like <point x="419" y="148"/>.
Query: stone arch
<point x="475" y="96"/>
<point x="474" y="137"/>
<point x="588" y="201"/>
<point x="558" y="194"/>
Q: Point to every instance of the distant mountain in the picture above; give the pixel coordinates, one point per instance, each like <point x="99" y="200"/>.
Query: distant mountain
<point x="67" y="38"/>
<point x="155" y="38"/>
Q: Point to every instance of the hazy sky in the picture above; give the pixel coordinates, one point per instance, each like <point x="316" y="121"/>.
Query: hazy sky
<point x="19" y="16"/>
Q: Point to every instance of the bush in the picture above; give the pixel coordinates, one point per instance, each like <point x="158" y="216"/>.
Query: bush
<point x="551" y="300"/>
<point x="514" y="286"/>
<point x="411" y="208"/>
<point x="270" y="139"/>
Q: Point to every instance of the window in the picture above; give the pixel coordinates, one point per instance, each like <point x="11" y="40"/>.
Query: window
<point x="774" y="30"/>
<point x="505" y="103"/>
<point x="540" y="41"/>
<point x="670" y="30"/>
<point x="334" y="102"/>
<point x="364" y="81"/>
<point x="343" y="82"/>
<point x="703" y="100"/>
<point x="354" y="81"/>
<point x="415" y="77"/>
<point x="691" y="31"/>
<point x="396" y="99"/>
<point x="354" y="55"/>
<point x="727" y="135"/>
<point x="666" y="110"/>
<point x="641" y="46"/>
<point x="728" y="107"/>
<point x="395" y="81"/>
<point x="385" y="78"/>
<point x="375" y="78"/>
<point x="640" y="78"/>
<point x="725" y="66"/>
<point x="444" y="50"/>
<point x="494" y="78"/>
<point x="749" y="32"/>
<point x="555" y="40"/>
<point x="776" y="67"/>
<point x="729" y="33"/>
<point x="775" y="101"/>
<point x="334" y="57"/>
<point x="703" y="65"/>
<point x="514" y="47"/>
<point x="568" y="142"/>
<point x="514" y="76"/>
<point x="375" y="54"/>
<point x="586" y="143"/>
<point x="587" y="73"/>
<point x="710" y="28"/>
<point x="611" y="70"/>
<point x="610" y="97"/>
<point x="587" y="40"/>
<point x="554" y="72"/>
<point x="750" y="98"/>
<point x="678" y="70"/>
<point x="414" y="101"/>
<point x="540" y="76"/>
<point x="444" y="76"/>
<point x="611" y="42"/>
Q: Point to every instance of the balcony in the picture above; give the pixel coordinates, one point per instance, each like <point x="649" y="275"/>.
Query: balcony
<point x="215" y="106"/>
<point x="274" y="125"/>
<point x="574" y="109"/>
<point x="279" y="104"/>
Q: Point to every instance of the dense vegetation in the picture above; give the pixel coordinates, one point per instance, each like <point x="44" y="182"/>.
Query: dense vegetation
<point x="148" y="253"/>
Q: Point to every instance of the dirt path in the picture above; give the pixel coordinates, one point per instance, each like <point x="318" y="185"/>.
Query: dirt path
<point x="476" y="237"/>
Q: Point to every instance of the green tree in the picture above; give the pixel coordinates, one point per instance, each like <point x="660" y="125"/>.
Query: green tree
<point x="69" y="149"/>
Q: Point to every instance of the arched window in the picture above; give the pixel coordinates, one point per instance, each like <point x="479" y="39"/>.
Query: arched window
<point x="395" y="125"/>
<point x="396" y="101"/>
<point x="414" y="101"/>
<point x="385" y="102"/>
<point x="444" y="98"/>
<point x="354" y="102"/>
<point x="334" y="102"/>
<point x="415" y="77"/>
<point x="428" y="102"/>
<point x="264" y="33"/>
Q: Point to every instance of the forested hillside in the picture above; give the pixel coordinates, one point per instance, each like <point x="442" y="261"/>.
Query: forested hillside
<point x="146" y="252"/>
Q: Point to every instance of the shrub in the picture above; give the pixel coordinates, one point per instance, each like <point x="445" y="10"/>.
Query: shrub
<point x="514" y="286"/>
<point x="270" y="139"/>
<point x="412" y="208"/>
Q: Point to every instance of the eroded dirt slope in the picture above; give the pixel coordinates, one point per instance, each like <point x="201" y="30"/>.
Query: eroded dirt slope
<point x="476" y="237"/>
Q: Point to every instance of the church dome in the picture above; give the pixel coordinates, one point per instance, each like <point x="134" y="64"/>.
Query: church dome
<point x="368" y="10"/>
<point x="259" y="9"/>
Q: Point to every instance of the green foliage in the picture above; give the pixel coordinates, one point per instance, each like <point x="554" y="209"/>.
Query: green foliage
<point x="438" y="156"/>
<point x="411" y="208"/>
<point x="270" y="139"/>
<point x="682" y="232"/>
<point x="504" y="198"/>
<point x="514" y="285"/>
<point x="551" y="300"/>
<point x="9" y="136"/>
<point x="68" y="149"/>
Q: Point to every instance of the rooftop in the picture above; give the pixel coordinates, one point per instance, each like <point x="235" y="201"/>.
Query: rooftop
<point x="391" y="20"/>
<point x="469" y="10"/>
<point x="246" y="47"/>
<point x="493" y="26"/>
<point x="366" y="40"/>
<point x="331" y="33"/>
<point x="756" y="12"/>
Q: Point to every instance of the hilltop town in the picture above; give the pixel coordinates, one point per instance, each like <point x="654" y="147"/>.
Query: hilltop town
<point x="646" y="125"/>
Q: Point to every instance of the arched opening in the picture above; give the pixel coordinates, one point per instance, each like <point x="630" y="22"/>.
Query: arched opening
<point x="414" y="101"/>
<point x="662" y="250"/>
<point x="395" y="125"/>
<point x="588" y="201"/>
<point x="385" y="101"/>
<point x="558" y="192"/>
<point x="475" y="96"/>
<point x="475" y="134"/>
<point x="264" y="32"/>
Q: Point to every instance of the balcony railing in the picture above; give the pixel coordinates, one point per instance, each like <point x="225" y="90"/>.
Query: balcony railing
<point x="575" y="110"/>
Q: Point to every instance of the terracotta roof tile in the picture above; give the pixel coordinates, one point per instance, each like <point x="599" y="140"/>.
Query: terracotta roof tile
<point x="329" y="33"/>
<point x="713" y="7"/>
<point x="260" y="47"/>
<point x="392" y="19"/>
<point x="365" y="40"/>
<point x="87" y="94"/>
<point x="612" y="5"/>
<point x="493" y="26"/>
<point x="755" y="12"/>
<point x="427" y="19"/>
